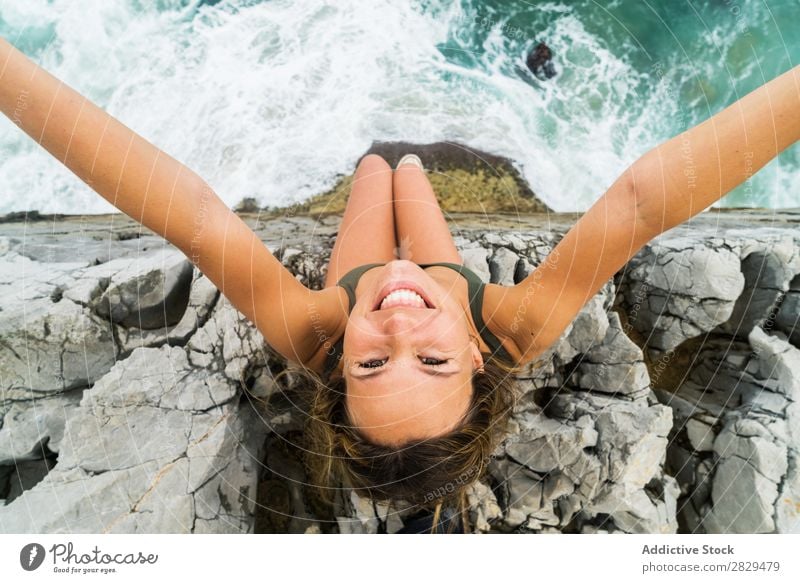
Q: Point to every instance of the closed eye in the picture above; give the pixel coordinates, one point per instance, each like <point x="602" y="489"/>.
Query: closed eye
<point x="433" y="361"/>
<point x="372" y="363"/>
<point x="424" y="359"/>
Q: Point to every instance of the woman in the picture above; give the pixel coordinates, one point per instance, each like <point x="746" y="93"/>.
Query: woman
<point x="411" y="354"/>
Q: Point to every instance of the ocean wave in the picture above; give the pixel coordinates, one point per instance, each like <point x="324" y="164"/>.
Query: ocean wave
<point x="276" y="100"/>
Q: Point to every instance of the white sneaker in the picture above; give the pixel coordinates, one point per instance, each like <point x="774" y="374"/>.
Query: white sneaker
<point x="410" y="159"/>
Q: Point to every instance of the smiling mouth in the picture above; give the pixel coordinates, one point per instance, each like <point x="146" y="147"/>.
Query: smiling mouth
<point x="402" y="294"/>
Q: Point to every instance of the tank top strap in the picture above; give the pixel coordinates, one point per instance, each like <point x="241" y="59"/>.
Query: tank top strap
<point x="476" y="287"/>
<point x="332" y="359"/>
<point x="349" y="281"/>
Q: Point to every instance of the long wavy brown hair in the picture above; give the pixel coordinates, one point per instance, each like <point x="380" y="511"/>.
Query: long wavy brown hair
<point x="428" y="472"/>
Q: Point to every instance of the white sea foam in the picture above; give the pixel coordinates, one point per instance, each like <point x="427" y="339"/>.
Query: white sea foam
<point x="275" y="100"/>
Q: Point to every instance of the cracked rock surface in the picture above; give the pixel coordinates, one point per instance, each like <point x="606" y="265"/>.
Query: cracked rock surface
<point x="131" y="387"/>
<point x="719" y="316"/>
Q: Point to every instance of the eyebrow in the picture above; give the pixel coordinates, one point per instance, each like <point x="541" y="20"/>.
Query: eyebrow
<point x="427" y="370"/>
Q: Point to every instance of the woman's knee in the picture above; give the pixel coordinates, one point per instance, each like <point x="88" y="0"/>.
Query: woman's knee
<point x="374" y="162"/>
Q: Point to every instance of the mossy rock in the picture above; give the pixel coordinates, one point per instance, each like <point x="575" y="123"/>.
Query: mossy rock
<point x="464" y="180"/>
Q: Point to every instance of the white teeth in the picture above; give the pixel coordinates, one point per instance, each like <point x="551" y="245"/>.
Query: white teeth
<point x="403" y="297"/>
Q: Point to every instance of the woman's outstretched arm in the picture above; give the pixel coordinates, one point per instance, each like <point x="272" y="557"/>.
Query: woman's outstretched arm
<point x="156" y="190"/>
<point x="663" y="188"/>
<point x="686" y="174"/>
<point x="136" y="177"/>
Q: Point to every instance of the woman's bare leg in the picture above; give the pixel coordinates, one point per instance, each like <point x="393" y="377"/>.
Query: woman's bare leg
<point x="366" y="233"/>
<point x="422" y="232"/>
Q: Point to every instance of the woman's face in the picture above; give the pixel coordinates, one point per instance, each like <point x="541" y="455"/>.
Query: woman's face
<point x="408" y="357"/>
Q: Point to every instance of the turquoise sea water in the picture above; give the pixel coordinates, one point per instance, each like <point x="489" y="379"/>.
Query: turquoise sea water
<point x="275" y="99"/>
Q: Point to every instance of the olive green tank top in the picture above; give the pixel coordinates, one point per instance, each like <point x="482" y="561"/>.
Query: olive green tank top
<point x="475" y="287"/>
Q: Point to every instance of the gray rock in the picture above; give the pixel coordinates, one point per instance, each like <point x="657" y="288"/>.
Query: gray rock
<point x="362" y="516"/>
<point x="777" y="360"/>
<point x="546" y="447"/>
<point x="29" y="426"/>
<point x="700" y="435"/>
<point x="477" y="259"/>
<point x="159" y="378"/>
<point x="86" y="290"/>
<point x="503" y="266"/>
<point x="616" y="365"/>
<point x="767" y="457"/>
<point x="787" y="517"/>
<point x="42" y="279"/>
<point x="639" y="510"/>
<point x="787" y="319"/>
<point x="202" y="297"/>
<point x="677" y="288"/>
<point x="162" y="437"/>
<point x="52" y="347"/>
<point x="766" y="278"/>
<point x="590" y="326"/>
<point x="566" y="471"/>
<point x="743" y="499"/>
<point x="229" y="340"/>
<point x="634" y="442"/>
<point x="157" y="438"/>
<point x="87" y="503"/>
<point x="151" y="292"/>
<point x="744" y="406"/>
<point x="483" y="507"/>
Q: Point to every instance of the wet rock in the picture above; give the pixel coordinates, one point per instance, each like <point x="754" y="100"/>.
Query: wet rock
<point x="540" y="61"/>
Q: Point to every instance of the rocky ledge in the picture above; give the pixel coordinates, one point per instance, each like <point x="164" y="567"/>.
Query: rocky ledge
<point x="132" y="393"/>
